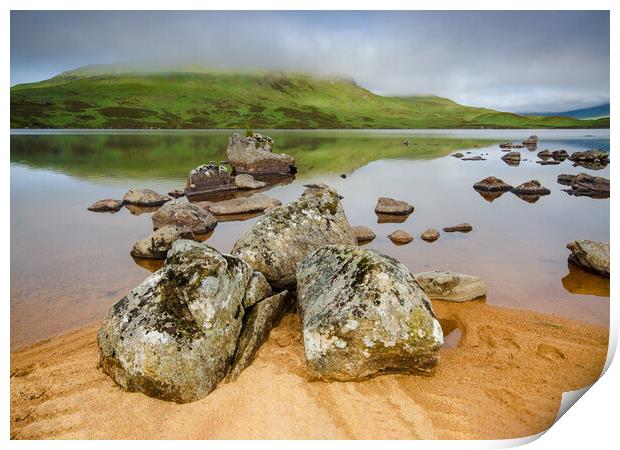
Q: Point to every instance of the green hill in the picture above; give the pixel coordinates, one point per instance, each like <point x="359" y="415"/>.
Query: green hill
<point x="192" y="98"/>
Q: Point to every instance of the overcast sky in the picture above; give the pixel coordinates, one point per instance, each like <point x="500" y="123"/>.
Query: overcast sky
<point x="512" y="61"/>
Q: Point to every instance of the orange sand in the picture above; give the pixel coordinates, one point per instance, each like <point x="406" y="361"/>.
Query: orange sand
<point x="504" y="380"/>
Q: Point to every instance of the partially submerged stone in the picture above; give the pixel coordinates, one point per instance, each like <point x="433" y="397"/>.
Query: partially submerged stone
<point x="492" y="184"/>
<point x="451" y="286"/>
<point x="532" y="187"/>
<point x="184" y="215"/>
<point x="532" y="140"/>
<point x="512" y="158"/>
<point x="544" y="154"/>
<point x="461" y="227"/>
<point x="247" y="181"/>
<point x="157" y="245"/>
<point x="400" y="237"/>
<point x="591" y="159"/>
<point x="208" y="178"/>
<point x="144" y="197"/>
<point x="593" y="256"/>
<point x="277" y="242"/>
<point x="585" y="184"/>
<point x="363" y="314"/>
<point x="430" y="235"/>
<point x="106" y="205"/>
<point x="174" y="336"/>
<point x="363" y="234"/>
<point x="560" y="155"/>
<point x="457" y="155"/>
<point x="386" y="205"/>
<point x="253" y="154"/>
<point x="244" y="205"/>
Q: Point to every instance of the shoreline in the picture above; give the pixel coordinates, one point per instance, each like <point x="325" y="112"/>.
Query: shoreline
<point x="508" y="365"/>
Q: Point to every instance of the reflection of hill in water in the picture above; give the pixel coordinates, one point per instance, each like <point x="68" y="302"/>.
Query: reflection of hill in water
<point x="171" y="156"/>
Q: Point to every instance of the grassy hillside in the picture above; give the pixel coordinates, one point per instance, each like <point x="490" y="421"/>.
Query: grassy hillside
<point x="100" y="97"/>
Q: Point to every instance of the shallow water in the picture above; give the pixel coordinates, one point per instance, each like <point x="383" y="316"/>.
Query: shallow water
<point x="68" y="265"/>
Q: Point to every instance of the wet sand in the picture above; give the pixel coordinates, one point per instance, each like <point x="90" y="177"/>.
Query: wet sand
<point x="504" y="378"/>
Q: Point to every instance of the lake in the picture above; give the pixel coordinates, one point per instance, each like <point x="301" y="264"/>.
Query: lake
<point x="69" y="265"/>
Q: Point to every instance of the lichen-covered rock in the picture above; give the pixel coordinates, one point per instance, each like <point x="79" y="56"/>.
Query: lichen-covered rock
<point x="174" y="336"/>
<point x="591" y="255"/>
<point x="243" y="205"/>
<point x="386" y="205"/>
<point x="157" y="245"/>
<point x="257" y="289"/>
<point x="257" y="323"/>
<point x="591" y="159"/>
<point x="208" y="178"/>
<point x="106" y="205"/>
<point x="451" y="286"/>
<point x="276" y="243"/>
<point x="247" y="181"/>
<point x="363" y="314"/>
<point x="144" y="197"/>
<point x="184" y="215"/>
<point x="363" y="234"/>
<point x="253" y="154"/>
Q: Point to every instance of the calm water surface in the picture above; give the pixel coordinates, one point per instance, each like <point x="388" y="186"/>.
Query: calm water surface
<point x="68" y="265"/>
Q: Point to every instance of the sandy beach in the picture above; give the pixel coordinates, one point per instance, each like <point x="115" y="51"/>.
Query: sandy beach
<point x="504" y="378"/>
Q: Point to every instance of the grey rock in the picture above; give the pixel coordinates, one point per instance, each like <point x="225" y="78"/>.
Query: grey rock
<point x="242" y="205"/>
<point x="184" y="215"/>
<point x="157" y="245"/>
<point x="247" y="181"/>
<point x="461" y="227"/>
<point x="280" y="239"/>
<point x="363" y="234"/>
<point x="390" y="206"/>
<point x="253" y="154"/>
<point x="144" y="197"/>
<point x="451" y="286"/>
<point x="363" y="314"/>
<point x="106" y="205"/>
<point x="593" y="256"/>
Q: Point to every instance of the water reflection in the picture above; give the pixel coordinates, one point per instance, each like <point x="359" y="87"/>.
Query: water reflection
<point x="579" y="281"/>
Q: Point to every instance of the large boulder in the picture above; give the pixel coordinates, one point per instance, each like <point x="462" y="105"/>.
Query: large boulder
<point x="243" y="205"/>
<point x="281" y="239"/>
<point x="208" y="178"/>
<point x="593" y="256"/>
<point x="175" y="336"/>
<point x="184" y="215"/>
<point x="451" y="286"/>
<point x="253" y="154"/>
<point x="363" y="314"/>
<point x="157" y="245"/>
<point x="144" y="197"/>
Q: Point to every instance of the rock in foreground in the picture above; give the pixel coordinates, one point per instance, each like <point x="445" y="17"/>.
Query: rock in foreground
<point x="363" y="314"/>
<point x="281" y="239"/>
<point x="174" y="336"/>
<point x="184" y="215"/>
<point x="253" y="154"/>
<point x="157" y="245"/>
<point x="593" y="256"/>
<point x="390" y="206"/>
<point x="451" y="286"/>
<point x="144" y="197"/>
<point x="106" y="205"/>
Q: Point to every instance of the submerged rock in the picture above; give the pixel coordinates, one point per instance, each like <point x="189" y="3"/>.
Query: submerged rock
<point x="208" y="178"/>
<point x="363" y="234"/>
<point x="184" y="215"/>
<point x="244" y="205"/>
<point x="157" y="245"/>
<point x="461" y="227"/>
<point x="593" y="256"/>
<point x="400" y="237"/>
<point x="363" y="314"/>
<point x="144" y="197"/>
<point x="451" y="286"/>
<point x="492" y="184"/>
<point x="548" y="163"/>
<point x="106" y="205"/>
<point x="253" y="154"/>
<point x="586" y="185"/>
<point x="532" y="187"/>
<point x="430" y="235"/>
<point x="390" y="206"/>
<point x="280" y="240"/>
<point x="174" y="336"/>
<point x="247" y="181"/>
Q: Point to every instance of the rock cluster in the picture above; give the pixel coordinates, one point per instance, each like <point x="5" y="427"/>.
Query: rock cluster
<point x="591" y="159"/>
<point x="585" y="184"/>
<point x="400" y="237"/>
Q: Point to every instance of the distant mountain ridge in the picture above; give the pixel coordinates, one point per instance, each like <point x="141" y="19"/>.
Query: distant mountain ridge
<point x="115" y="96"/>
<point x="593" y="112"/>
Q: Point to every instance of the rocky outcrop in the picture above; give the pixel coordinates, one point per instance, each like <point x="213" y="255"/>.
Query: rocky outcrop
<point x="243" y="205"/>
<point x="208" y="178"/>
<point x="390" y="206"/>
<point x="492" y="184"/>
<point x="461" y="227"/>
<point x="175" y="336"/>
<point x="512" y="158"/>
<point x="586" y="185"/>
<point x="593" y="256"/>
<point x="144" y="197"/>
<point x="280" y="240"/>
<point x="451" y="286"/>
<point x="532" y="187"/>
<point x="363" y="314"/>
<point x="363" y="234"/>
<point x="591" y="159"/>
<point x="247" y="181"/>
<point x="400" y="237"/>
<point x="253" y="154"/>
<point x="106" y="205"/>
<point x="157" y="245"/>
<point x="430" y="235"/>
<point x="184" y="215"/>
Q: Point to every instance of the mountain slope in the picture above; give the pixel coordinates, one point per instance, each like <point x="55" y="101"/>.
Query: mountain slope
<point x="96" y="97"/>
<point x="584" y="113"/>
